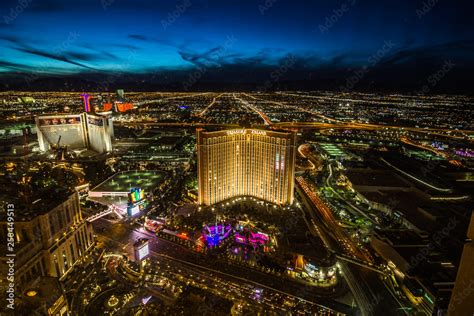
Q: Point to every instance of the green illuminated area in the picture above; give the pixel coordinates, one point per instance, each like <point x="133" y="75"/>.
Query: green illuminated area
<point x="424" y="155"/>
<point x="124" y="181"/>
<point x="333" y="150"/>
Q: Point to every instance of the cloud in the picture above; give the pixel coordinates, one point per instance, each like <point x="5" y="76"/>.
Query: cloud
<point x="138" y="37"/>
<point x="14" y="66"/>
<point x="97" y="55"/>
<point x="199" y="59"/>
<point x="404" y="68"/>
<point x="80" y="56"/>
<point x="45" y="54"/>
<point x="67" y="57"/>
<point x="74" y="57"/>
<point x="433" y="55"/>
<point x="11" y="39"/>
<point x="149" y="39"/>
<point x="224" y="55"/>
<point x="127" y="46"/>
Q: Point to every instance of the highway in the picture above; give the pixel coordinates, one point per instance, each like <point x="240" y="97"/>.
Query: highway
<point x="389" y="287"/>
<point x="328" y="183"/>
<point x="154" y="101"/>
<point x="445" y="190"/>
<point x="340" y="236"/>
<point x="264" y="117"/>
<point x="360" y="273"/>
<point x="300" y="151"/>
<point x="150" y="123"/>
<point x="210" y="104"/>
<point x="329" y="119"/>
<point x="372" y="294"/>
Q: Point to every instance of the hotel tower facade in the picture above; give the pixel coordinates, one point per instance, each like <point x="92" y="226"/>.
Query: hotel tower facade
<point x="246" y="162"/>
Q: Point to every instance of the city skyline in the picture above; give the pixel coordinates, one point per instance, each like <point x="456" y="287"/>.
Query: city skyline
<point x="269" y="157"/>
<point x="370" y="214"/>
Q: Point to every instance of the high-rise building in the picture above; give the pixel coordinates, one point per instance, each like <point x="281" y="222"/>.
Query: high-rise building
<point x="100" y="132"/>
<point x="462" y="302"/>
<point x="120" y="95"/>
<point x="49" y="238"/>
<point x="76" y="131"/>
<point x="246" y="162"/>
<point x="86" y="98"/>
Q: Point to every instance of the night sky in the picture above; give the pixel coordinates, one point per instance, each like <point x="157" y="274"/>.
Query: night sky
<point x="274" y="44"/>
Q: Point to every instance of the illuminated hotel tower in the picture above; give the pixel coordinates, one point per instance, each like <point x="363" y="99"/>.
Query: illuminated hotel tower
<point x="87" y="103"/>
<point x="246" y="162"/>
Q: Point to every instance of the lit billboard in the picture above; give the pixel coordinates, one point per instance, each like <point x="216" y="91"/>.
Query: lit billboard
<point x="60" y="121"/>
<point x="107" y="107"/>
<point x="134" y="210"/>
<point x="143" y="252"/>
<point x="136" y="194"/>
<point x="136" y="201"/>
<point x="123" y="107"/>
<point x="141" y="248"/>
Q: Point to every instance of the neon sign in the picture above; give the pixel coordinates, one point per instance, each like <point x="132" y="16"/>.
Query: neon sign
<point x="244" y="131"/>
<point x="236" y="131"/>
<point x="259" y="132"/>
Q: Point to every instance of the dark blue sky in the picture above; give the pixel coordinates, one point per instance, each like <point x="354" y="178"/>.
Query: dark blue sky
<point x="247" y="40"/>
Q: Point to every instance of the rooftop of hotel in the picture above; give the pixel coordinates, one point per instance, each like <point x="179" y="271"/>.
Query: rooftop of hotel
<point x="39" y="203"/>
<point x="125" y="181"/>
